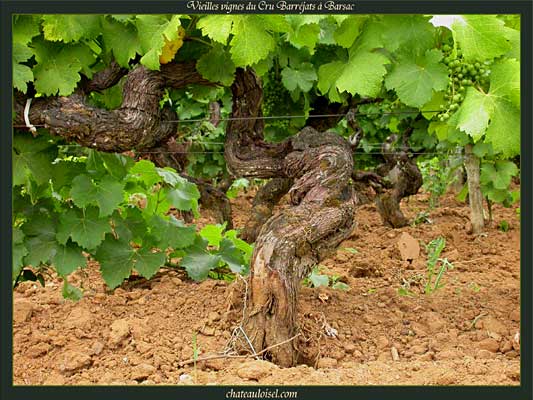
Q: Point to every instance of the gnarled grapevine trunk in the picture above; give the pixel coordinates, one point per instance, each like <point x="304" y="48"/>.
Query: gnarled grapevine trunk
<point x="292" y="242"/>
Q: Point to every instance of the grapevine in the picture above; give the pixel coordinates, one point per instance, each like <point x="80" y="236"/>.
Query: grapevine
<point x="461" y="74"/>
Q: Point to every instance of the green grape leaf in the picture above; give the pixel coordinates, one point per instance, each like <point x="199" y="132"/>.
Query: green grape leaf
<point x="117" y="165"/>
<point x="71" y="292"/>
<point x="303" y="31"/>
<point x="40" y="239"/>
<point x="147" y="262"/>
<point x="184" y="196"/>
<point x="70" y="28"/>
<point x="172" y="232"/>
<point x="505" y="81"/>
<point x="217" y="66"/>
<point x="498" y="174"/>
<point x="216" y="27"/>
<point x="504" y="129"/>
<point x="349" y="29"/>
<point x="213" y="233"/>
<point x="431" y="108"/>
<point x="116" y="260"/>
<point x="513" y="36"/>
<point x="130" y="225"/>
<point x="146" y="172"/>
<point x="416" y="78"/>
<point x="246" y="248"/>
<point x="232" y="256"/>
<point x="248" y="32"/>
<point x="25" y="27"/>
<point x="412" y="33"/>
<point x="481" y="37"/>
<point x="327" y="78"/>
<point x="363" y="73"/>
<point x="152" y="30"/>
<point x="21" y="73"/>
<point x="58" y="66"/>
<point x="19" y="251"/>
<point x="106" y="193"/>
<point x="95" y="165"/>
<point x="68" y="259"/>
<point x="317" y="279"/>
<point x="198" y="261"/>
<point x="83" y="227"/>
<point x="303" y="77"/>
<point x="474" y="113"/>
<point x="32" y="157"/>
<point x="121" y="39"/>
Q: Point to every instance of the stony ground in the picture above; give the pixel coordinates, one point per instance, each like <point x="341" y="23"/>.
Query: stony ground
<point x="465" y="333"/>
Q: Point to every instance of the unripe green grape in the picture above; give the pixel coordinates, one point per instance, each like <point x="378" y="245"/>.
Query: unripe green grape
<point x="446" y="48"/>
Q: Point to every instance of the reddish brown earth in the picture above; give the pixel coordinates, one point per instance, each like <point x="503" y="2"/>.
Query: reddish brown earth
<point x="466" y="333"/>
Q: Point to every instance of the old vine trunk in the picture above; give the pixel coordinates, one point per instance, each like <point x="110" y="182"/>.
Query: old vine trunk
<point x="318" y="166"/>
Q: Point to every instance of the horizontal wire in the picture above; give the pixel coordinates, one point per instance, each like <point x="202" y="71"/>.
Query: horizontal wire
<point x="221" y="152"/>
<point x="276" y="117"/>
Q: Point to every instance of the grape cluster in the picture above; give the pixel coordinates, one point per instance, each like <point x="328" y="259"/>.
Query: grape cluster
<point x="461" y="74"/>
<point x="275" y="97"/>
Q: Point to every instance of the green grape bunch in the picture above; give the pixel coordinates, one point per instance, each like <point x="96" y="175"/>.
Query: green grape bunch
<point x="461" y="74"/>
<point x="275" y="96"/>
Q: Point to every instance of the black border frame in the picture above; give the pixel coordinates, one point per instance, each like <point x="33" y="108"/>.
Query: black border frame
<point x="522" y="392"/>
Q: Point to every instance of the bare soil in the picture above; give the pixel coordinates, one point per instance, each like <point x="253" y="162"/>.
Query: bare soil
<point x="465" y="333"/>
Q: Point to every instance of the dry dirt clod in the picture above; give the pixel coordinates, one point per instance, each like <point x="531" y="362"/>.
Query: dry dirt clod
<point x="142" y="371"/>
<point x="22" y="311"/>
<point x="72" y="361"/>
<point x="38" y="350"/>
<point x="409" y="247"/>
<point x="485" y="355"/>
<point x="326" y="362"/>
<point x="97" y="348"/>
<point x="120" y="330"/>
<point x="256" y="369"/>
<point x="489" y="344"/>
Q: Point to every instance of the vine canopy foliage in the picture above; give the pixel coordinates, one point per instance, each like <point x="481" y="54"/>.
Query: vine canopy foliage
<point x="458" y="76"/>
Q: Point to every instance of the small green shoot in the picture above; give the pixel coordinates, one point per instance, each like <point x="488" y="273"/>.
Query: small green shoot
<point x="504" y="226"/>
<point x="317" y="279"/>
<point x="350" y="250"/>
<point x="433" y="277"/>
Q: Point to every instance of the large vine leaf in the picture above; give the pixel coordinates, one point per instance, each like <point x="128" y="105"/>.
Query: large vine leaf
<point x="70" y="28"/>
<point x="106" y="193"/>
<point x="40" y="239"/>
<point x="475" y="113"/>
<point x="416" y="78"/>
<point x="153" y="30"/>
<point x="116" y="35"/>
<point x="198" y="261"/>
<point x="68" y="258"/>
<point x="32" y="158"/>
<point x="251" y="42"/>
<point x="217" y="66"/>
<point x="363" y="73"/>
<point x="216" y="27"/>
<point x="327" y="78"/>
<point x="172" y="232"/>
<point x="83" y="227"/>
<point x="349" y="29"/>
<point x="58" y="66"/>
<point x="21" y="73"/>
<point x="25" y="27"/>
<point x="116" y="261"/>
<point x="19" y="251"/>
<point x="505" y="81"/>
<point x="301" y="78"/>
<point x="304" y="31"/>
<point x="410" y="32"/>
<point x="481" y="37"/>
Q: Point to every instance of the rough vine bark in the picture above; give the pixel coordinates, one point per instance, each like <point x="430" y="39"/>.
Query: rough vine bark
<point x="290" y="243"/>
<point x="138" y="124"/>
<point x="404" y="179"/>
<point x="475" y="196"/>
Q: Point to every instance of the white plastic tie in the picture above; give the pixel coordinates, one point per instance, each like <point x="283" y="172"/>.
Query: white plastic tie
<point x="29" y="125"/>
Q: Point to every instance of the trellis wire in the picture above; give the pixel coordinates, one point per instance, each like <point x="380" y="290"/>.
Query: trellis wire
<point x="277" y="117"/>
